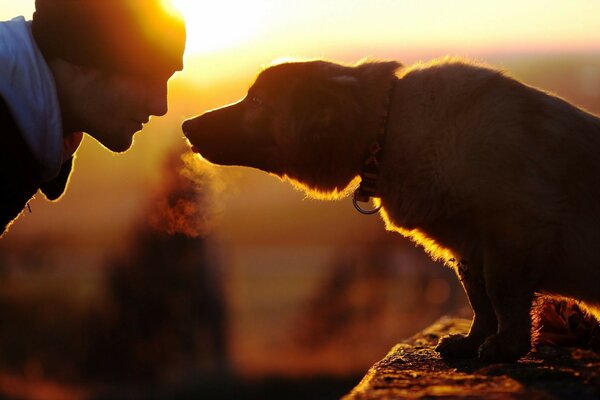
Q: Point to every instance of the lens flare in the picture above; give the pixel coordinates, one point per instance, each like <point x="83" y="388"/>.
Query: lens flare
<point x="217" y="25"/>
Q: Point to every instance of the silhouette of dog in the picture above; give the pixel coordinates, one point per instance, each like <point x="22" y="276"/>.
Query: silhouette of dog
<point x="499" y="180"/>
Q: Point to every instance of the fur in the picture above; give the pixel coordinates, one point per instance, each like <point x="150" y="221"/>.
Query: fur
<point x="499" y="180"/>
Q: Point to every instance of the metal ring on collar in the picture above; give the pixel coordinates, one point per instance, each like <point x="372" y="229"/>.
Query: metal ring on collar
<point x="362" y="210"/>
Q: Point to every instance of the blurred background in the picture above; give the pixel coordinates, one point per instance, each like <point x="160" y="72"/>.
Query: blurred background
<point x="157" y="276"/>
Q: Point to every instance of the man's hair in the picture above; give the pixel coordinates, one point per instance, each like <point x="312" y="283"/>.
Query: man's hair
<point x="133" y="36"/>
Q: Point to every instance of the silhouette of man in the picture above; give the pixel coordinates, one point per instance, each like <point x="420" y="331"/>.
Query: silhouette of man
<point x="94" y="66"/>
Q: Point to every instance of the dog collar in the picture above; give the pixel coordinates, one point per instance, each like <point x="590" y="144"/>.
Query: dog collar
<point x="370" y="168"/>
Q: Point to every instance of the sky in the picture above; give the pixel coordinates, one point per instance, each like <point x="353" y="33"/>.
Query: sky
<point x="266" y="29"/>
<point x="227" y="34"/>
<point x="427" y="23"/>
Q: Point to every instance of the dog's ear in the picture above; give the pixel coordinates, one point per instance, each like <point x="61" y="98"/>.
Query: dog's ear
<point x="375" y="70"/>
<point x="377" y="74"/>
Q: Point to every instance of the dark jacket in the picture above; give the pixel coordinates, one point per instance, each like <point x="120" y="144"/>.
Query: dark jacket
<point x="20" y="172"/>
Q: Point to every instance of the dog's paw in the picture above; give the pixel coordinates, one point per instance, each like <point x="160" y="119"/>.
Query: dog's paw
<point x="458" y="346"/>
<point x="503" y="348"/>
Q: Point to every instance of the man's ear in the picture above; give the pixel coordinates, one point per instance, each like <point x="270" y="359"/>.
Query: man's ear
<point x="56" y="187"/>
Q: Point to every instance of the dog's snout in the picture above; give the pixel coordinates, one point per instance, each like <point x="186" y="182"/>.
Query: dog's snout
<point x="186" y="127"/>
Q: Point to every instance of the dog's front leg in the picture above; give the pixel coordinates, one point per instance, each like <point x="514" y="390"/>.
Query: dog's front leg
<point x="484" y="321"/>
<point x="509" y="287"/>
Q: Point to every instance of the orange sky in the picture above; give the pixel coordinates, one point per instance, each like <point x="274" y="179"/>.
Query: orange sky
<point x="230" y="34"/>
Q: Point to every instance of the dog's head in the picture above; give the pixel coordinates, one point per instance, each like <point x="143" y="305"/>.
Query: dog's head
<point x="303" y="120"/>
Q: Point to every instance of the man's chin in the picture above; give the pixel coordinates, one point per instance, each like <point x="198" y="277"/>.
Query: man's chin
<point x="117" y="146"/>
<point x="122" y="147"/>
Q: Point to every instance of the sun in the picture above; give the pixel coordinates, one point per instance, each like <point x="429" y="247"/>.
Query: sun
<point x="216" y="25"/>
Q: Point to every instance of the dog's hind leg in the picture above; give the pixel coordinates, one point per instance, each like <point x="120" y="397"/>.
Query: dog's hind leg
<point x="484" y="321"/>
<point x="509" y="288"/>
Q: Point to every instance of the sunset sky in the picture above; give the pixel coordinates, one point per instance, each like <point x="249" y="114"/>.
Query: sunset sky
<point x="318" y="24"/>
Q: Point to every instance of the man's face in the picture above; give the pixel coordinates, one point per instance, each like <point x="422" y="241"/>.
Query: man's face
<point x="118" y="105"/>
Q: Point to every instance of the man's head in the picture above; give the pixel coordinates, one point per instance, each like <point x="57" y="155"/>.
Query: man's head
<point x="111" y="60"/>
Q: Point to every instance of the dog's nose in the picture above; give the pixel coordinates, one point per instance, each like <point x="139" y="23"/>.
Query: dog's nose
<point x="186" y="127"/>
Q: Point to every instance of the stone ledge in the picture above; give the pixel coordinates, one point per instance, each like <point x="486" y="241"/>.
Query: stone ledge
<point x="413" y="370"/>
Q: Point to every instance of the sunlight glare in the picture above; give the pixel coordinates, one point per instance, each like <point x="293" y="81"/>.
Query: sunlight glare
<point x="217" y="25"/>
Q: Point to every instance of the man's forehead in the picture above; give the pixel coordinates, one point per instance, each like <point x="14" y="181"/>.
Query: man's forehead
<point x="115" y="35"/>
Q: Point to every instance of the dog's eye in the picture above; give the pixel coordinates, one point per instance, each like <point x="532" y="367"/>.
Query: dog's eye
<point x="256" y="101"/>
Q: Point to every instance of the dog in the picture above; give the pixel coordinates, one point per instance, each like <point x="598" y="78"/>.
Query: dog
<point x="497" y="179"/>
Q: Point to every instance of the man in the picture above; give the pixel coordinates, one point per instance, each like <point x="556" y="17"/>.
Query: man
<point x="94" y="66"/>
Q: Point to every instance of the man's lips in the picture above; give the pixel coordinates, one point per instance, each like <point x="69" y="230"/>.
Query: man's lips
<point x="143" y="121"/>
<point x="139" y="123"/>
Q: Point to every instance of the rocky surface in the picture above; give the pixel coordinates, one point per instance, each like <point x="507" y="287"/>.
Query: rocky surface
<point x="414" y="370"/>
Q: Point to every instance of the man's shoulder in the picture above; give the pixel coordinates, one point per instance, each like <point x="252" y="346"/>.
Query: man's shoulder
<point x="13" y="147"/>
<point x="18" y="168"/>
<point x="20" y="171"/>
<point x="7" y="120"/>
